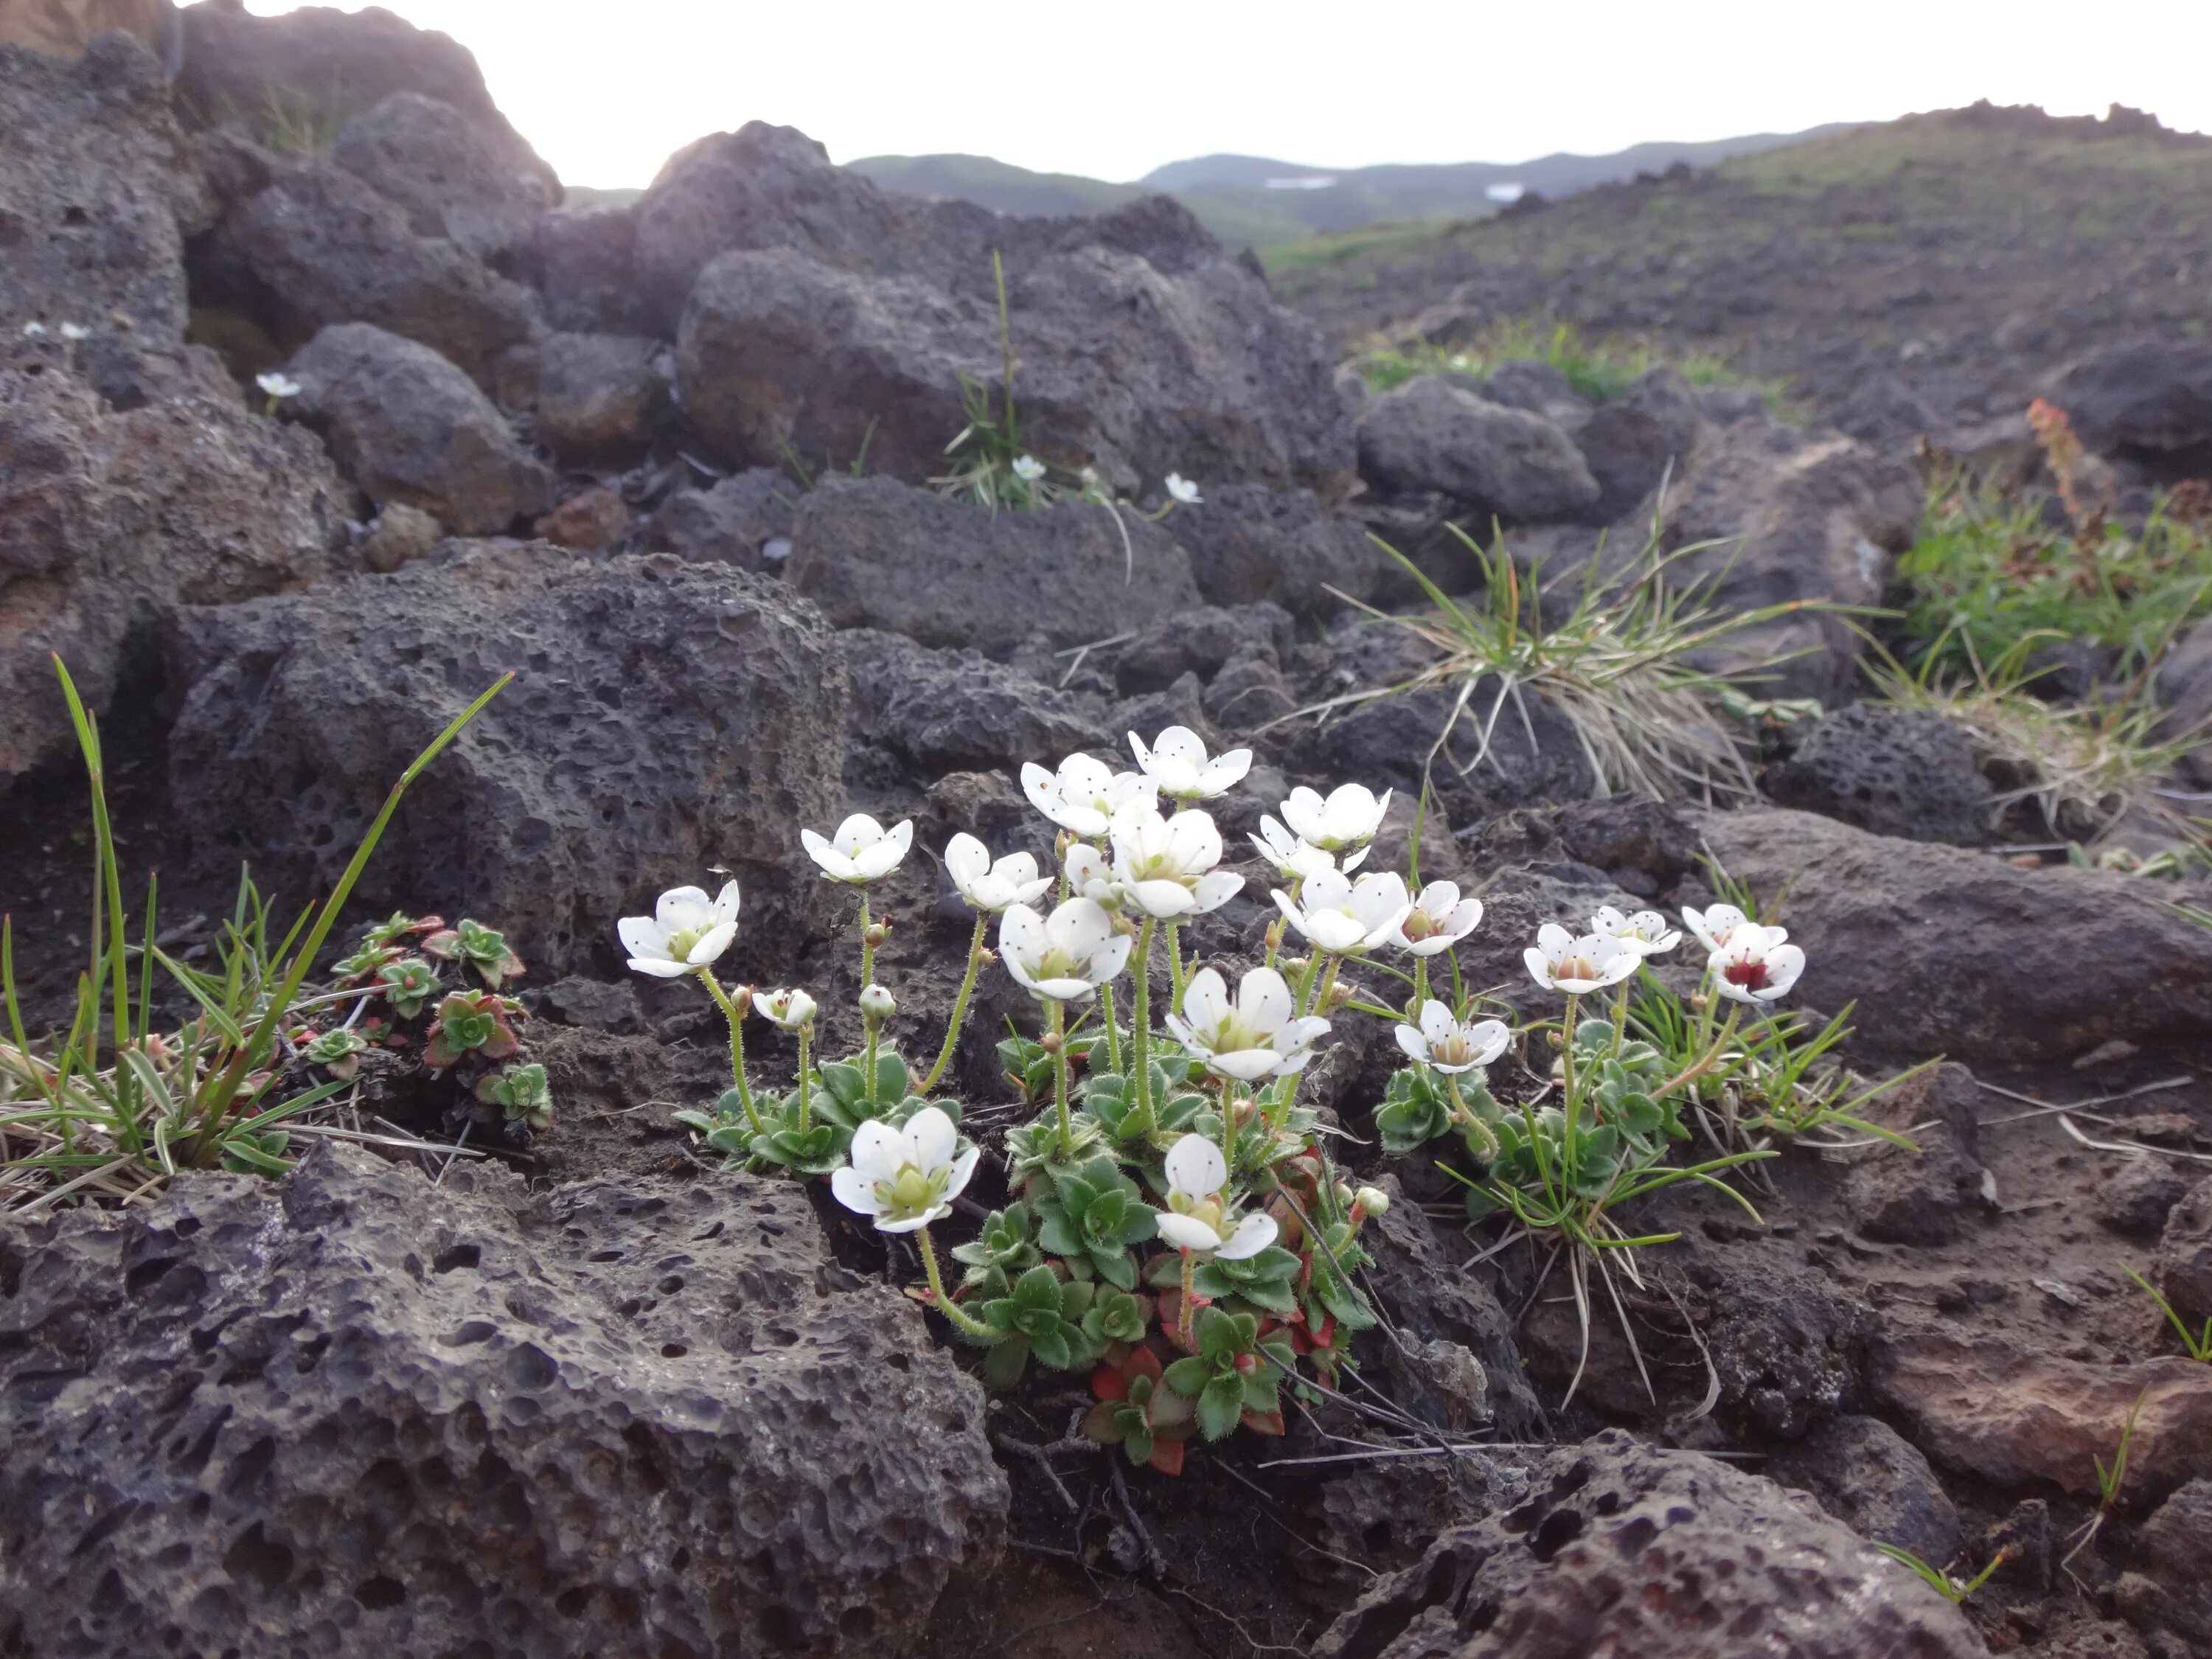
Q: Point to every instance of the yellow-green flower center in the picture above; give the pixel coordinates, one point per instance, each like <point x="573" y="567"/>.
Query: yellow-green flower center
<point x="913" y="1191"/>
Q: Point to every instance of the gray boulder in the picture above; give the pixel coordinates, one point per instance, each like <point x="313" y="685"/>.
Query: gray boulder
<point x="1250" y="544"/>
<point x="1623" y="1548"/>
<point x="359" y="1411"/>
<point x="2184" y="1271"/>
<point x="735" y="522"/>
<point x="667" y="718"/>
<point x="412" y="428"/>
<point x="96" y="199"/>
<point x="110" y="519"/>
<point x="2149" y="403"/>
<point x="1633" y="442"/>
<point x="873" y="553"/>
<point x="600" y="398"/>
<point x="582" y="261"/>
<point x="2165" y="1587"/>
<point x="1430" y="435"/>
<point x="2185" y="689"/>
<point x="953" y="711"/>
<point x="458" y="178"/>
<point x="1874" y="1481"/>
<point x="1950" y="951"/>
<point x="1895" y="771"/>
<point x="332" y="249"/>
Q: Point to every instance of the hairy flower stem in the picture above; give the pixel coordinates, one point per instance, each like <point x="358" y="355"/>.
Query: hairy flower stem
<point x="874" y="1027"/>
<point x="1189" y="1308"/>
<point x="1057" y="1027"/>
<point x="1229" y="1124"/>
<point x="867" y="950"/>
<point x="1175" y="966"/>
<point x="737" y="1046"/>
<point x="1421" y="987"/>
<point x="805" y="1039"/>
<point x="1480" y="1138"/>
<point x="1113" y="1037"/>
<point x="1327" y="984"/>
<point x="1140" y="1020"/>
<point x="959" y="1006"/>
<point x="943" y="1304"/>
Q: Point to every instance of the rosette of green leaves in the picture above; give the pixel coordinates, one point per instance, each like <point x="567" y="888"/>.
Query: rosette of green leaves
<point x="1417" y="1107"/>
<point x="484" y="949"/>
<point x="1138" y="1413"/>
<point x="726" y="1129"/>
<point x="1267" y="1280"/>
<point x="1536" y="1150"/>
<point x="469" y="1025"/>
<point x="1233" y="1376"/>
<point x="337" y="1052"/>
<point x="407" y="985"/>
<point x="1620" y="1087"/>
<point x="1109" y="1099"/>
<point x="1094" y="1213"/>
<point x="1042" y="1315"/>
<point x="1033" y="1151"/>
<point x="522" y="1092"/>
<point x="1007" y="1245"/>
<point x="1116" y="1315"/>
<point x="1029" y="1067"/>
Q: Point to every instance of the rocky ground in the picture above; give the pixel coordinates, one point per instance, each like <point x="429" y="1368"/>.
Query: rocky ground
<point x="671" y="463"/>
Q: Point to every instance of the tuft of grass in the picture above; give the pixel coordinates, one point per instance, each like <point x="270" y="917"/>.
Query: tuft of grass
<point x="293" y="120"/>
<point x="1954" y="1590"/>
<point x="1620" y="666"/>
<point x="1598" y="370"/>
<point x="113" y="1114"/>
<point x="2198" y="1343"/>
<point x="985" y="450"/>
<point x="1989" y="572"/>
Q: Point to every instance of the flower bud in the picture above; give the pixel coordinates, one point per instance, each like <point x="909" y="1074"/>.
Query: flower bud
<point x="1555" y="1039"/>
<point x="741" y="998"/>
<point x="877" y="934"/>
<point x="987" y="955"/>
<point x="1052" y="1043"/>
<point x="1373" y="1199"/>
<point x="1340" y="994"/>
<point x="1343" y="1192"/>
<point x="876" y="1005"/>
<point x="1295" y="964"/>
<point x="1275" y="931"/>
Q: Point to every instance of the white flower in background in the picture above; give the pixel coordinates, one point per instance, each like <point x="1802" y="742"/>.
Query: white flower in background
<point x="1647" y="930"/>
<point x="1292" y="859"/>
<point x="685" y="932"/>
<point x="1167" y="865"/>
<point x="876" y="1004"/>
<point x="789" y="1009"/>
<point x="1440" y="919"/>
<point x="1348" y="817"/>
<point x="1756" y="968"/>
<point x="1027" y="468"/>
<point x="276" y="385"/>
<point x="34" y="330"/>
<point x="1085" y="793"/>
<point x="75" y="332"/>
<point x="1090" y="875"/>
<point x="1453" y="1045"/>
<point x="1261" y="1036"/>
<point x="1341" y="916"/>
<point x="1184" y="489"/>
<point x="904" y="1179"/>
<point x="861" y="851"/>
<point x="987" y="886"/>
<point x="1064" y="956"/>
<point x="1558" y="961"/>
<point x="1177" y="763"/>
<point x="1716" y="927"/>
<point x="1194" y="1219"/>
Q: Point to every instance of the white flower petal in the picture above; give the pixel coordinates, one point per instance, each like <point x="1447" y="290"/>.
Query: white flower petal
<point x="931" y="1138"/>
<point x="1252" y="1235"/>
<point x="659" y="968"/>
<point x="1187" y="1233"/>
<point x="713" y="943"/>
<point x="854" y="1190"/>
<point x="1196" y="1167"/>
<point x="879" y="1152"/>
<point x="679" y="906"/>
<point x="641" y="937"/>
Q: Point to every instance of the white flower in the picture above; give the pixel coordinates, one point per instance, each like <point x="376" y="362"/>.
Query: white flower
<point x="1184" y="489"/>
<point x="1028" y="469"/>
<point x="1292" y="859"/>
<point x="34" y="330"/>
<point x="276" y="385"/>
<point x="1560" y="962"/>
<point x="1083" y="795"/>
<point x="1440" y="919"/>
<point x="876" y="1004"/>
<point x="75" y="332"/>
<point x="1349" y="817"/>
<point x="1064" y="956"/>
<point x="1754" y="967"/>
<point x="1194" y="1219"/>
<point x="789" y="1009"/>
<point x="905" y="1178"/>
<point x="1341" y="916"/>
<point x="1167" y="865"/>
<point x="1260" y="1037"/>
<point x="1177" y="762"/>
<point x="685" y="932"/>
<point x="1647" y="930"/>
<point x="861" y="851"/>
<point x="1090" y="875"/>
<point x="992" y="887"/>
<point x="1451" y="1045"/>
<point x="1716" y="927"/>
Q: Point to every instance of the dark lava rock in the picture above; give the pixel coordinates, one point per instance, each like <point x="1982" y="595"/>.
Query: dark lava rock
<point x="1202" y="642"/>
<point x="600" y="397"/>
<point x="455" y="178"/>
<point x="953" y="711"/>
<point x="668" y="718"/>
<point x="410" y="427"/>
<point x="2150" y="403"/>
<point x="2137" y="1195"/>
<point x="1927" y="1196"/>
<point x="733" y="523"/>
<point x="1432" y="434"/>
<point x="1621" y="1548"/>
<point x="2185" y="692"/>
<point x="1249" y="543"/>
<point x="1634" y="442"/>
<point x="1904" y="772"/>
<point x="1875" y="1482"/>
<point x="354" y="1413"/>
<point x="873" y="553"/>
<point x="96" y="199"/>
<point x="332" y="249"/>
<point x="108" y="520"/>
<point x="1951" y="951"/>
<point x="2166" y="1588"/>
<point x="583" y="262"/>
<point x="2183" y="1272"/>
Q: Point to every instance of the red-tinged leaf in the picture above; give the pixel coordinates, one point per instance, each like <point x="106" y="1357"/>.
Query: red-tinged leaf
<point x="437" y="1056"/>
<point x="1108" y="1383"/>
<point x="1264" y="1422"/>
<point x="1143" y="1362"/>
<point x="1167" y="1456"/>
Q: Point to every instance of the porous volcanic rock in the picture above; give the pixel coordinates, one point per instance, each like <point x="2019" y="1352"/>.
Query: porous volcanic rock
<point x="108" y="520"/>
<point x="1875" y="1482"/>
<point x="353" y="1414"/>
<point x="874" y="553"/>
<point x="666" y="718"/>
<point x="1928" y="1195"/>
<point x="1623" y="1548"/>
<point x="2149" y="403"/>
<point x="600" y="397"/>
<point x="1905" y="772"/>
<point x="733" y="522"/>
<point x="1433" y="434"/>
<point x="456" y="178"/>
<point x="2168" y="1590"/>
<point x="2183" y="1272"/>
<point x="410" y="427"/>
<point x="1957" y="953"/>
<point x="1250" y="544"/>
<point x="953" y="711"/>
<point x="96" y="198"/>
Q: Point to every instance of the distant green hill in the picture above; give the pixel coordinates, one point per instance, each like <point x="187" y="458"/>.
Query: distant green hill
<point x="1254" y="202"/>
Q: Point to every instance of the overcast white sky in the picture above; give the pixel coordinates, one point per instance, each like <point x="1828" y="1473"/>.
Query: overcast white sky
<point x="606" y="88"/>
